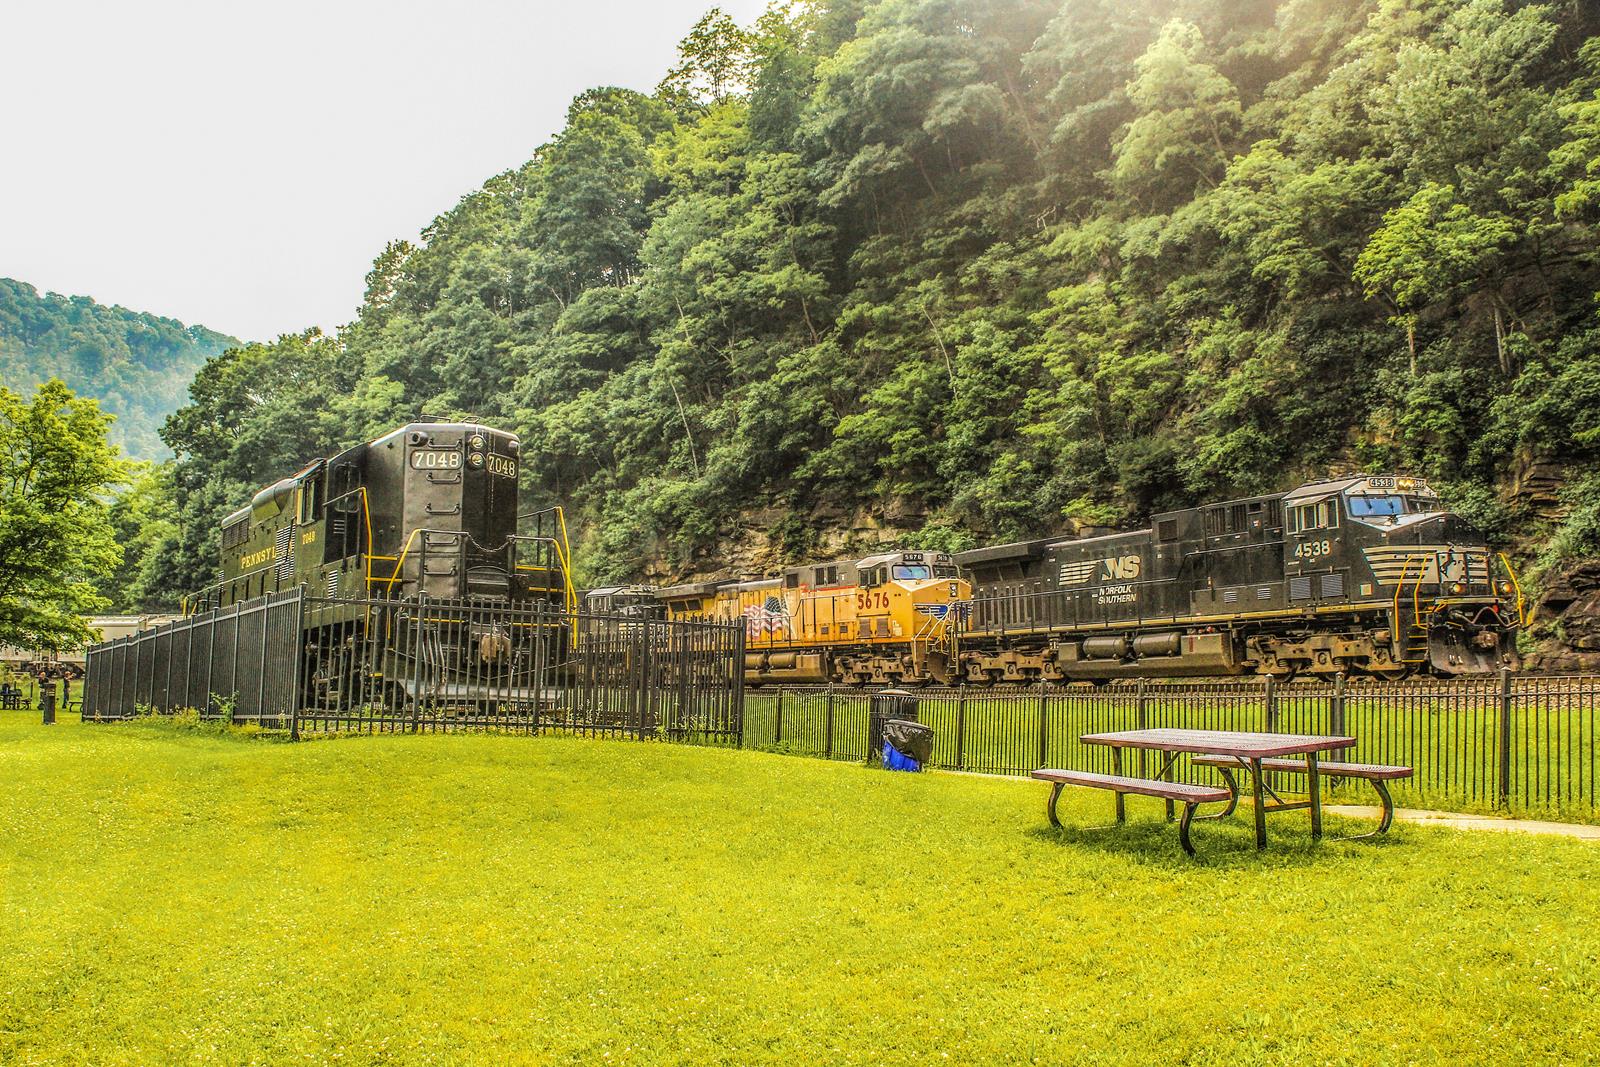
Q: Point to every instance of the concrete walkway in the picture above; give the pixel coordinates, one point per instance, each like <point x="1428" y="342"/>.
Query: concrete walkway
<point x="1457" y="821"/>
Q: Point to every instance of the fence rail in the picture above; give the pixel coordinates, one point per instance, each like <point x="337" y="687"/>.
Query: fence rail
<point x="1520" y="743"/>
<point x="320" y="665"/>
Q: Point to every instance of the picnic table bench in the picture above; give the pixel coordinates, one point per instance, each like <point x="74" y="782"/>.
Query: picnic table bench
<point x="1376" y="773"/>
<point x="1257" y="752"/>
<point x="1189" y="795"/>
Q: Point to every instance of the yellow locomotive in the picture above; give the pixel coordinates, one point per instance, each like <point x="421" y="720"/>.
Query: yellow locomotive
<point x="889" y="619"/>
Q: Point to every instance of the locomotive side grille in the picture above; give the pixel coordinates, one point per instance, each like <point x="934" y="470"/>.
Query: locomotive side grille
<point x="1230" y="596"/>
<point x="1079" y="572"/>
<point x="1263" y="592"/>
<point x="1332" y="585"/>
<point x="285" y="557"/>
<point x="1300" y="588"/>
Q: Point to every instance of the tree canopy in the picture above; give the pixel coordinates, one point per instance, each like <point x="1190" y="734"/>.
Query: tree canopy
<point x="992" y="268"/>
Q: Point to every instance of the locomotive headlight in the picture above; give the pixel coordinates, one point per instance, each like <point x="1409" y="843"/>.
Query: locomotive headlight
<point x="513" y="446"/>
<point x="476" y="442"/>
<point x="1456" y="588"/>
<point x="475" y="460"/>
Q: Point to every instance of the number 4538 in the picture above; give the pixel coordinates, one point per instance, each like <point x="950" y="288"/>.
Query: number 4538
<point x="1312" y="549"/>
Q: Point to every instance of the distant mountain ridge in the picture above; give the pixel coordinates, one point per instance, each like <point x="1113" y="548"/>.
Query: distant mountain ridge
<point x="138" y="365"/>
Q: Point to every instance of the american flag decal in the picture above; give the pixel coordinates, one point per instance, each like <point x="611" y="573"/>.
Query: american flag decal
<point x="771" y="617"/>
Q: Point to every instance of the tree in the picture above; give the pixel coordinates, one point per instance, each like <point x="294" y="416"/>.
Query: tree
<point x="56" y="539"/>
<point x="1188" y="115"/>
<point x="713" y="63"/>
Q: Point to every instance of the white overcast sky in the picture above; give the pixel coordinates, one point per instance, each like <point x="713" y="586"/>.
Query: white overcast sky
<point x="240" y="164"/>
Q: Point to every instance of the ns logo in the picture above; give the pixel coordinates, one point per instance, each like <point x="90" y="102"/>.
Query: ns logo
<point x="1109" y="569"/>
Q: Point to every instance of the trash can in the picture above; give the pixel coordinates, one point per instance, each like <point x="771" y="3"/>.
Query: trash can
<point x="907" y="746"/>
<point x="47" y="704"/>
<point x="885" y="705"/>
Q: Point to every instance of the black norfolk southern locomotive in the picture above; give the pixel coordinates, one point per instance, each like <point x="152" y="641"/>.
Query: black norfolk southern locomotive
<point x="1364" y="575"/>
<point x="428" y="510"/>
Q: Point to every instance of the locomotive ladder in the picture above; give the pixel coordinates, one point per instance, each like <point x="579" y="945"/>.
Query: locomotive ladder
<point x="1413" y="643"/>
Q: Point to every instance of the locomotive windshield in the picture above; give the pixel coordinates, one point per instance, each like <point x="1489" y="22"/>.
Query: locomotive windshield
<point x="1365" y="507"/>
<point x="913" y="573"/>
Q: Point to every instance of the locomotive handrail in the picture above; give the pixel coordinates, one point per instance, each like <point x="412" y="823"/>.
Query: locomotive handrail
<point x="1522" y="619"/>
<point x="561" y="544"/>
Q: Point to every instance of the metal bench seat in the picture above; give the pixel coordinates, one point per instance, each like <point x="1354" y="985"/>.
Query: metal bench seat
<point x="1188" y="795"/>
<point x="1376" y="773"/>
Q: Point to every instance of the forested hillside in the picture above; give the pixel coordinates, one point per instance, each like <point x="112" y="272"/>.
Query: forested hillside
<point x="988" y="268"/>
<point x="137" y="365"/>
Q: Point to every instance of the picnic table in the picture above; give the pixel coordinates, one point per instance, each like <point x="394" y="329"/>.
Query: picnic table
<point x="1249" y="748"/>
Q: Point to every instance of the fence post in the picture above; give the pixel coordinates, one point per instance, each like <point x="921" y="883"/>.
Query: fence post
<point x="1141" y="721"/>
<point x="233" y="670"/>
<point x="1044" y="724"/>
<point x="299" y="664"/>
<point x="827" y="729"/>
<point x="138" y="653"/>
<point x="961" y="728"/>
<point x="211" y="661"/>
<point x="1336" y="710"/>
<point x="1272" y="705"/>
<point x="777" y="727"/>
<point x="1505" y="738"/>
<point x="418" y="674"/>
<point x="261" y="683"/>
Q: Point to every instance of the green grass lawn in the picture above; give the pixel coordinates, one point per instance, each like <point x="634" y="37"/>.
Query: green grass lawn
<point x="184" y="897"/>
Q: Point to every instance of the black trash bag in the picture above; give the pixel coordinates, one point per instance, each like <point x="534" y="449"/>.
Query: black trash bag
<point x="912" y="739"/>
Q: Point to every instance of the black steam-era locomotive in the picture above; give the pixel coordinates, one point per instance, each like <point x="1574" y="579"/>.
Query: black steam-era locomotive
<point x="1364" y="575"/>
<point x="426" y="511"/>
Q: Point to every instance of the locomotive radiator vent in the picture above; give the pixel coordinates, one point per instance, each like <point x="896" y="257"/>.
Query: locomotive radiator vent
<point x="1333" y="585"/>
<point x="1300" y="588"/>
<point x="285" y="557"/>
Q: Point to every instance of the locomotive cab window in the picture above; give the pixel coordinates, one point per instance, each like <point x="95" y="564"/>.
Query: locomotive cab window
<point x="916" y="573"/>
<point x="311" y="499"/>
<point x="1323" y="515"/>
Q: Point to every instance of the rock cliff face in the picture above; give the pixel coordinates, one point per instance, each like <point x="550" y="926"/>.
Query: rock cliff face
<point x="1567" y="618"/>
<point x="756" y="545"/>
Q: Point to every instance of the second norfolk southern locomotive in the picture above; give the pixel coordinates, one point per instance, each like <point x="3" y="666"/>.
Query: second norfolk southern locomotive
<point x="1365" y="575"/>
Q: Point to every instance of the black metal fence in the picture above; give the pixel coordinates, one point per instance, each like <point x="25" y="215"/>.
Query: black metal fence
<point x="1521" y="743"/>
<point x="237" y="662"/>
<point x="317" y="665"/>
